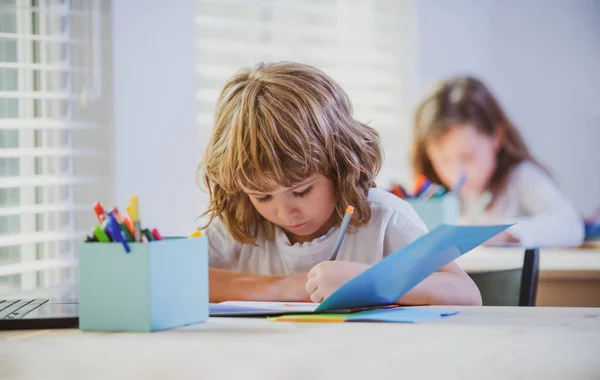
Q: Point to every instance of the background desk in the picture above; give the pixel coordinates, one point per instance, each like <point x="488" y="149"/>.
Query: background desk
<point x="568" y="277"/>
<point x="479" y="343"/>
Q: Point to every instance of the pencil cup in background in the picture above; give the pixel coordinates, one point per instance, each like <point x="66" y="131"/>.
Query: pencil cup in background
<point x="436" y="211"/>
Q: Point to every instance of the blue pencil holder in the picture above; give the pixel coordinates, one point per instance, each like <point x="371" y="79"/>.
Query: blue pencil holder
<point x="158" y="285"/>
<point x="436" y="211"/>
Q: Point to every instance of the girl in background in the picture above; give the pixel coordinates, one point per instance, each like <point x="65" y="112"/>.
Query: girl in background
<point x="460" y="129"/>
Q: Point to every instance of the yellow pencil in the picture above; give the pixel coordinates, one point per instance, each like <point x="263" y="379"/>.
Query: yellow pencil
<point x="133" y="209"/>
<point x="342" y="232"/>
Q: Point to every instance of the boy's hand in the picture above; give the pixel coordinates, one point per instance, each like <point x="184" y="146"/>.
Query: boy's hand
<point x="326" y="277"/>
<point x="292" y="288"/>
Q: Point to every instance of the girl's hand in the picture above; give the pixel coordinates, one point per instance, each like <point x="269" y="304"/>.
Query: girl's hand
<point x="326" y="277"/>
<point x="501" y="239"/>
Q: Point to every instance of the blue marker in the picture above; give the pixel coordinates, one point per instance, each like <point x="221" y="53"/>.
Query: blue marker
<point x="460" y="183"/>
<point x="115" y="232"/>
<point x="441" y="191"/>
<point x="423" y="188"/>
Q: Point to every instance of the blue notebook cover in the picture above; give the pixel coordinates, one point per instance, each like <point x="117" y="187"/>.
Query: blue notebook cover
<point x="387" y="281"/>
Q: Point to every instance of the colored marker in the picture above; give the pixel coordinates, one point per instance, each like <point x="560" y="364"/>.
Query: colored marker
<point x="129" y="226"/>
<point x="398" y="191"/>
<point x="441" y="191"/>
<point x="342" y="232"/>
<point x="101" y="235"/>
<point x="426" y="185"/>
<point x="146" y="232"/>
<point x="432" y="190"/>
<point x="124" y="228"/>
<point x="116" y="233"/>
<point x="460" y="183"/>
<point x="419" y="182"/>
<point x="100" y="213"/>
<point x="195" y="234"/>
<point x="133" y="210"/>
<point x="106" y="229"/>
<point x="156" y="234"/>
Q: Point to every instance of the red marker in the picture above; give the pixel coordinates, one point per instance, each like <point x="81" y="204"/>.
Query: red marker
<point x="156" y="234"/>
<point x="100" y="213"/>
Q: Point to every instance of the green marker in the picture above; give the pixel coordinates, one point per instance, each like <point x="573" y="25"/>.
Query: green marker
<point x="101" y="235"/>
<point x="148" y="234"/>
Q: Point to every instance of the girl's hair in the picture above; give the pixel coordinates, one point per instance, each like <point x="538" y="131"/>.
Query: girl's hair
<point x="454" y="103"/>
<point x="279" y="124"/>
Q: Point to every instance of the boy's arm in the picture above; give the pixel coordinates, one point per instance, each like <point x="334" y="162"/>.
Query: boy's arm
<point x="232" y="286"/>
<point x="448" y="286"/>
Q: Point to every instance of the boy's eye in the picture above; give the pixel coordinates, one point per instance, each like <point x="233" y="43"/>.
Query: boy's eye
<point x="303" y="193"/>
<point x="266" y="198"/>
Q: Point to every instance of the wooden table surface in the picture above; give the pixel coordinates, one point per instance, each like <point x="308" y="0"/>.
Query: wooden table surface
<point x="478" y="343"/>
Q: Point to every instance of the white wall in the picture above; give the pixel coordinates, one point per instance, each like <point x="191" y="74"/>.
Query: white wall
<point x="542" y="59"/>
<point x="155" y="103"/>
<point x="155" y="134"/>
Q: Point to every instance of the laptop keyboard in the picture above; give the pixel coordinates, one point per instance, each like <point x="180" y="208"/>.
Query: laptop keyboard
<point x="17" y="309"/>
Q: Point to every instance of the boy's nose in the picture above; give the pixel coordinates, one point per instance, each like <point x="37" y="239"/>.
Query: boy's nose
<point x="286" y="211"/>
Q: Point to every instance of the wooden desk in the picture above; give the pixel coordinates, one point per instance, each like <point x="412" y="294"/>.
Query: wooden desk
<point x="478" y="343"/>
<point x="568" y="277"/>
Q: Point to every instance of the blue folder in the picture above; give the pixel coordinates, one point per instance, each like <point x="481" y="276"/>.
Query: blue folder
<point x="387" y="281"/>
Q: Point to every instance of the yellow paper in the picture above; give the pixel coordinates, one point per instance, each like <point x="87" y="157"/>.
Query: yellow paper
<point x="309" y="318"/>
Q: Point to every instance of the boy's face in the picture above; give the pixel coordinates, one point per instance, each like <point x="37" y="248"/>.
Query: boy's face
<point x="305" y="211"/>
<point x="464" y="149"/>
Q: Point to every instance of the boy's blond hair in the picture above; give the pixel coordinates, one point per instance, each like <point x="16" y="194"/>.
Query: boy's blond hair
<point x="281" y="123"/>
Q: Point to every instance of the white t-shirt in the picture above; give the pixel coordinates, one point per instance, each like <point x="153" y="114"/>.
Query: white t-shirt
<point x="543" y="215"/>
<point x="393" y="224"/>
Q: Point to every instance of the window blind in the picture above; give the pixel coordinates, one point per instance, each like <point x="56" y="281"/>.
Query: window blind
<point x="367" y="46"/>
<point x="52" y="149"/>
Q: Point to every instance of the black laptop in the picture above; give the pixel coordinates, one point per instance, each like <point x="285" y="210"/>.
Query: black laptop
<point x="38" y="313"/>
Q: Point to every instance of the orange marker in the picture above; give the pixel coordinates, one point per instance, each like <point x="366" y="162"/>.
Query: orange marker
<point x="419" y="182"/>
<point x="398" y="191"/>
<point x="129" y="225"/>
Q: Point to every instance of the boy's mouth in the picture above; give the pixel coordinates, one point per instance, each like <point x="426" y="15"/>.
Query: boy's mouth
<point x="296" y="226"/>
